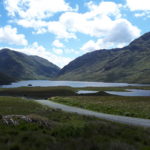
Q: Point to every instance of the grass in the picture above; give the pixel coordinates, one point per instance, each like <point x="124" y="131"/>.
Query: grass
<point x="118" y="105"/>
<point x="38" y="92"/>
<point x="46" y="92"/>
<point x="115" y="88"/>
<point x="14" y="105"/>
<point x="67" y="131"/>
<point x="101" y="101"/>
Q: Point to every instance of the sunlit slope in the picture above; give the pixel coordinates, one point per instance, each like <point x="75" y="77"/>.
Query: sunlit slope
<point x="128" y="64"/>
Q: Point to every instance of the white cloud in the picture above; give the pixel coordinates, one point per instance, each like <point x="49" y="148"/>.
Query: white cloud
<point x="35" y="9"/>
<point x="38" y="50"/>
<point x="90" y="46"/>
<point x="57" y="43"/>
<point x="116" y="32"/>
<point x="76" y="22"/>
<point x="59" y="30"/>
<point x="102" y="21"/>
<point x="58" y="51"/>
<point x="141" y="14"/>
<point x="135" y="5"/>
<point x="97" y="22"/>
<point x="9" y="35"/>
<point x="31" y="23"/>
<point x="38" y="25"/>
<point x="71" y="51"/>
<point x="104" y="8"/>
<point x="94" y="22"/>
<point x="121" y="33"/>
<point x="97" y="45"/>
<point x="141" y="7"/>
<point x="32" y="14"/>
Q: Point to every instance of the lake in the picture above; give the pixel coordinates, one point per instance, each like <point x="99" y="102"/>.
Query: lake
<point x="46" y="83"/>
<point x="131" y="92"/>
<point x="86" y="92"/>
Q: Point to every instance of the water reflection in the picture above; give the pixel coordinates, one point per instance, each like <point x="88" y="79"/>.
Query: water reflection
<point x="86" y="92"/>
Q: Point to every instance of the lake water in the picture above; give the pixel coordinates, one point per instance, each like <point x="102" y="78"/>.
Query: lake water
<point x="86" y="92"/>
<point x="132" y="92"/>
<point x="46" y="83"/>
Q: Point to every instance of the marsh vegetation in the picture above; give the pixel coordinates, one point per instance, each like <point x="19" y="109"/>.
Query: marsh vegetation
<point x="66" y="131"/>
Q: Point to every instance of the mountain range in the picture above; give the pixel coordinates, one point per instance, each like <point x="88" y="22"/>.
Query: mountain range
<point x="129" y="64"/>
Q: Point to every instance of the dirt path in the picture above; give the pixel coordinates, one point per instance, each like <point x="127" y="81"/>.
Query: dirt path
<point x="114" y="118"/>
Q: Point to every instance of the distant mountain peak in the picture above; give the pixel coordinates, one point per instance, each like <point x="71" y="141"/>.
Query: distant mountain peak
<point x="146" y="36"/>
<point x="144" y="39"/>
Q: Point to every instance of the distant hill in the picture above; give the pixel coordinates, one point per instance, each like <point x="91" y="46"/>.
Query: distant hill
<point x="24" y="67"/>
<point x="4" y="79"/>
<point x="129" y="64"/>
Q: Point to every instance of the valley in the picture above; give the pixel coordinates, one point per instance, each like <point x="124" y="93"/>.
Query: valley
<point x="75" y="75"/>
<point x="56" y="129"/>
<point x="33" y="83"/>
<point x="130" y="64"/>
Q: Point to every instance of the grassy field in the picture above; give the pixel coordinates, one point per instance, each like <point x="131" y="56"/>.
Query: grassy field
<point x="46" y="92"/>
<point x="118" y="105"/>
<point x="114" y="88"/>
<point x="101" y="101"/>
<point x="38" y="92"/>
<point x="66" y="131"/>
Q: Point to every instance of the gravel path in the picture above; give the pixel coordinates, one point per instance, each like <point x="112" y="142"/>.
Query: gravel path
<point x="114" y="118"/>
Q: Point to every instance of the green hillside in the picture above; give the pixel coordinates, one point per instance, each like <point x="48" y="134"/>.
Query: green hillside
<point x="4" y="79"/>
<point x="129" y="64"/>
<point x="23" y="67"/>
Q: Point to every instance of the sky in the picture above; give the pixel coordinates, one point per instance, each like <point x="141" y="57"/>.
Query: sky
<point x="61" y="30"/>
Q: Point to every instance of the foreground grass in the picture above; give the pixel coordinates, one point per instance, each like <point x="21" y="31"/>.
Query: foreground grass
<point x="67" y="131"/>
<point x="118" y="105"/>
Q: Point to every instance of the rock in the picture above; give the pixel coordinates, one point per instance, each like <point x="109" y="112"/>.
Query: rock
<point x="15" y="120"/>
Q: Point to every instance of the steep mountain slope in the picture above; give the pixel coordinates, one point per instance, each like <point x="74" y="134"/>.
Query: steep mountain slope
<point x="20" y="66"/>
<point x="4" y="79"/>
<point x="128" y="64"/>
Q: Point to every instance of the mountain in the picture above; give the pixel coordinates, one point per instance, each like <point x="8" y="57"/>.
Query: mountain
<point x="4" y="79"/>
<point x="23" y="67"/>
<point x="129" y="64"/>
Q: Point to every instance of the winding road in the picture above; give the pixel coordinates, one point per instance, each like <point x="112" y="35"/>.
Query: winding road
<point x="114" y="118"/>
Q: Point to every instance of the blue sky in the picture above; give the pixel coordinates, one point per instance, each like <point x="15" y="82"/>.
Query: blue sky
<point x="61" y="30"/>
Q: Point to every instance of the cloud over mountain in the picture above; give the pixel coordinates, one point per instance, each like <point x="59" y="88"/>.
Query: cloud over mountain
<point x="66" y="29"/>
<point x="10" y="35"/>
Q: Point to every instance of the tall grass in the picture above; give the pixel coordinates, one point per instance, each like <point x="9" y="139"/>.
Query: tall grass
<point x="118" y="105"/>
<point x="67" y="131"/>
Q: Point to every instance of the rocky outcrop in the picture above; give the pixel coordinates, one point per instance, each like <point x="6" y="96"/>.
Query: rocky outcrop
<point x="15" y="120"/>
